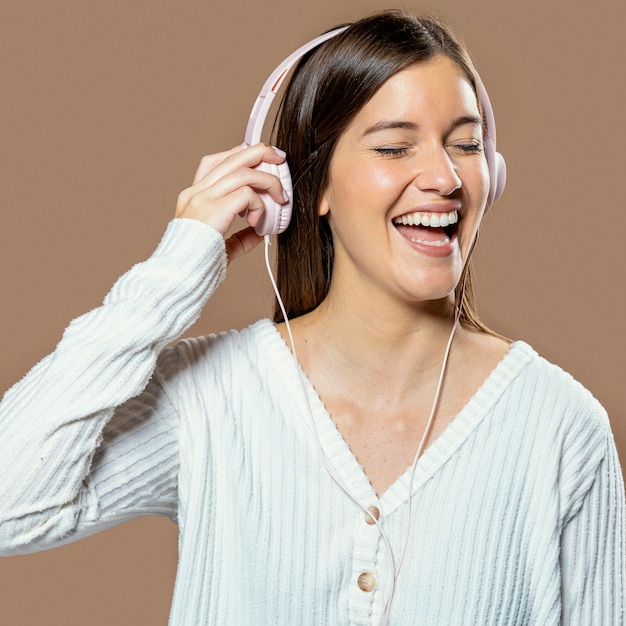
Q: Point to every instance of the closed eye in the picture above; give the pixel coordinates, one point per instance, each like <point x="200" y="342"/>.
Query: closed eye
<point x="391" y="152"/>
<point x="470" y="148"/>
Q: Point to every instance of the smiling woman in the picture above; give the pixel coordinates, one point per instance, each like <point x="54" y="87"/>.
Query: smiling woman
<point x="414" y="149"/>
<point x="409" y="461"/>
<point x="369" y="77"/>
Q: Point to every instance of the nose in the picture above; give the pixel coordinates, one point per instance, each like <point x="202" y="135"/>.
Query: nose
<point x="437" y="172"/>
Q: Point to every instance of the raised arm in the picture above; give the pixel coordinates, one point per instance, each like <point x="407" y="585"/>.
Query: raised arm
<point x="87" y="438"/>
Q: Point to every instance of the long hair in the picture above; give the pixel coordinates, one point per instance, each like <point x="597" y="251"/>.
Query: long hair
<point x="329" y="87"/>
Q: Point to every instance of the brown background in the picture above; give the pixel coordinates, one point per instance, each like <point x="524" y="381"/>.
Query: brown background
<point x="105" y="110"/>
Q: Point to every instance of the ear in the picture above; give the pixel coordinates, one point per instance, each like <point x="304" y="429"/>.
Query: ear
<point x="324" y="206"/>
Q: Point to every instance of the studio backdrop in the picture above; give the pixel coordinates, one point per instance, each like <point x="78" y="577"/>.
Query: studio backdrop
<point x="106" y="109"/>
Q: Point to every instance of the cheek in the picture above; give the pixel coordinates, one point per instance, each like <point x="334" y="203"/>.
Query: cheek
<point x="475" y="186"/>
<point x="371" y="186"/>
<point x="482" y="183"/>
<point x="340" y="196"/>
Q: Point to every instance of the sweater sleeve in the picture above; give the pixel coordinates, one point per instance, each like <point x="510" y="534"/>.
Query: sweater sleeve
<point x="592" y="549"/>
<point x="88" y="438"/>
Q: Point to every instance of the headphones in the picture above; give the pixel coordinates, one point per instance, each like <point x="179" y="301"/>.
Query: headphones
<point x="276" y="216"/>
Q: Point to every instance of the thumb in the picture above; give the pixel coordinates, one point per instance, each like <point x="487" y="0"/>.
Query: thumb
<point x="241" y="243"/>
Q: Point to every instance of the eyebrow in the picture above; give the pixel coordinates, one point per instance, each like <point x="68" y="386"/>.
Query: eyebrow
<point x="390" y="124"/>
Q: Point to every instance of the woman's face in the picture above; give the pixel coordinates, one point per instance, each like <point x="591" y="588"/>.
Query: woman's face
<point x="408" y="184"/>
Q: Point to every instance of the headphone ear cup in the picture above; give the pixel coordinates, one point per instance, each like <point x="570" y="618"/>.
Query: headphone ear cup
<point x="500" y="176"/>
<point x="497" y="173"/>
<point x="276" y="217"/>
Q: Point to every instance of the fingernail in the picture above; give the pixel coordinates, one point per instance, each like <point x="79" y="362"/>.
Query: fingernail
<point x="279" y="152"/>
<point x="285" y="196"/>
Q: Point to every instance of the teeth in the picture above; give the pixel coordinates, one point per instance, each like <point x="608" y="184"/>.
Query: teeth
<point x="435" y="220"/>
<point x="436" y="244"/>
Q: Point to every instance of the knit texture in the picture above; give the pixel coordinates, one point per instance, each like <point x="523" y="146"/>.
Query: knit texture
<point x="517" y="508"/>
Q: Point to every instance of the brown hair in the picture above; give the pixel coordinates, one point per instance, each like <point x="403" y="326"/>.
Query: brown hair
<point x="328" y="88"/>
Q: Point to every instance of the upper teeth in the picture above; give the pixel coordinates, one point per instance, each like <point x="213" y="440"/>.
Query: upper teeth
<point x="428" y="219"/>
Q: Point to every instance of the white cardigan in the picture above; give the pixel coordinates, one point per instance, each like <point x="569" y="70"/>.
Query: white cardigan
<point x="517" y="507"/>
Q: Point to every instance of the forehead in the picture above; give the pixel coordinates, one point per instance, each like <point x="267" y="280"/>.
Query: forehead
<point x="437" y="87"/>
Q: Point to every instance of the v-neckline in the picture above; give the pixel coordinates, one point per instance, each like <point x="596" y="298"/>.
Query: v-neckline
<point x="338" y="452"/>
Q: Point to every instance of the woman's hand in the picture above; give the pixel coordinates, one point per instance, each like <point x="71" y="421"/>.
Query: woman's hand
<point x="225" y="185"/>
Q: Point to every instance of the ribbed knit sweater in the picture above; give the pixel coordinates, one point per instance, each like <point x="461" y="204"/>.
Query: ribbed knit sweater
<point x="517" y="507"/>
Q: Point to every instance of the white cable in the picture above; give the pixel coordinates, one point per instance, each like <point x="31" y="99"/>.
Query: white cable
<point x="395" y="570"/>
<point x="324" y="458"/>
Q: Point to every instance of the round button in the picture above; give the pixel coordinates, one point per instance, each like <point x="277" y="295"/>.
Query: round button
<point x="366" y="581"/>
<point x="373" y="513"/>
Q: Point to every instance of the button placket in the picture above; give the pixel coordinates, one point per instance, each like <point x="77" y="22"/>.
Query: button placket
<point x="365" y="565"/>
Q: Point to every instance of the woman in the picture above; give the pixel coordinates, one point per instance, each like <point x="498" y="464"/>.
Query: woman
<point x="295" y="494"/>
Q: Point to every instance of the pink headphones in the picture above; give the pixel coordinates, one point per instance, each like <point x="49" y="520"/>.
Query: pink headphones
<point x="276" y="216"/>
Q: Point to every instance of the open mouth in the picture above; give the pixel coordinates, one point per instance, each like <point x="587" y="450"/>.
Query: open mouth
<point x="429" y="229"/>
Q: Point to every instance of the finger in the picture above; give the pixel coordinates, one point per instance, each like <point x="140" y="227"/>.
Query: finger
<point x="230" y="184"/>
<point x="245" y="158"/>
<point x="240" y="189"/>
<point x="220" y="211"/>
<point x="259" y="180"/>
<point x="211" y="161"/>
<point x="241" y="243"/>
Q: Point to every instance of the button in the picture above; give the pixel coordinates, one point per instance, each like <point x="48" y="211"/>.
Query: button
<point x="366" y="581"/>
<point x="372" y="512"/>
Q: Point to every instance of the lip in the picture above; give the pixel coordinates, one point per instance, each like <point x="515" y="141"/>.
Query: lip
<point x="431" y="251"/>
<point x="440" y="207"/>
<point x="432" y="207"/>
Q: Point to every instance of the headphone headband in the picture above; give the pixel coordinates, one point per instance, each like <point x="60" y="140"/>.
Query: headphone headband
<point x="276" y="217"/>
<point x="272" y="85"/>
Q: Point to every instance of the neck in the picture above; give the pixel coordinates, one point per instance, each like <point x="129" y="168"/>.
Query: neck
<point x="385" y="346"/>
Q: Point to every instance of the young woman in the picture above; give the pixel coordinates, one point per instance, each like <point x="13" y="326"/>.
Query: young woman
<point x="319" y="490"/>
